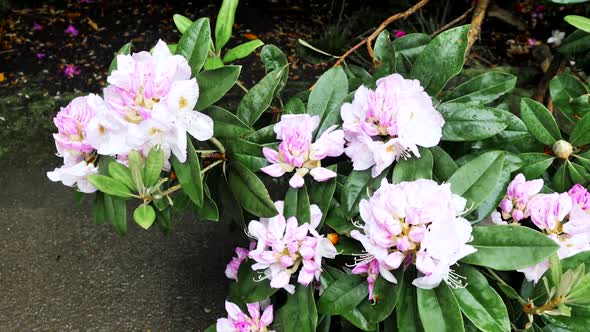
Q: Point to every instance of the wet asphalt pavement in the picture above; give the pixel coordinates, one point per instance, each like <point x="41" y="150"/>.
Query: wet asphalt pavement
<point x="60" y="272"/>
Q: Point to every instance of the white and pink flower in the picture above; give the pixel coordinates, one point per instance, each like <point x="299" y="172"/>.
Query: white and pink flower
<point x="416" y="222"/>
<point x="284" y="247"/>
<point x="238" y="321"/>
<point x="519" y="193"/>
<point x="298" y="153"/>
<point x="389" y="123"/>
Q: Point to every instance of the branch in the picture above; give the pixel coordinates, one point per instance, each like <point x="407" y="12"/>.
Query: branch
<point x="453" y="22"/>
<point x="557" y="65"/>
<point x="474" y="30"/>
<point x="381" y="27"/>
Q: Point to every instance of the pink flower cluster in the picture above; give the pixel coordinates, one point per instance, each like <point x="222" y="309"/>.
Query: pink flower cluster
<point x="298" y="153"/>
<point x="389" y="123"/>
<point x="238" y="321"/>
<point x="232" y="268"/>
<point x="413" y="222"/>
<point x="563" y="217"/>
<point x="284" y="246"/>
<point x="149" y="102"/>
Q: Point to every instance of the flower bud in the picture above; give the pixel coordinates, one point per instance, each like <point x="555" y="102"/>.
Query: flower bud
<point x="562" y="149"/>
<point x="333" y="237"/>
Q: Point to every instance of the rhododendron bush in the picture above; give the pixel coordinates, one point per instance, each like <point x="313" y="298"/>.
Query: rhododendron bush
<point x="380" y="199"/>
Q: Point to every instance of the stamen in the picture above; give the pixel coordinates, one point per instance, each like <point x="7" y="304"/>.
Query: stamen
<point x="455" y="280"/>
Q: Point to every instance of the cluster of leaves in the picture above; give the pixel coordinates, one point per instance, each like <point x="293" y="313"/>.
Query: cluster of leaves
<point x="484" y="144"/>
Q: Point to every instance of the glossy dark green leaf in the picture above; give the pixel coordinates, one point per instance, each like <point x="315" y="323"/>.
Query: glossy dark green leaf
<point x="508" y="248"/>
<point x="98" y="209"/>
<point x="116" y="213"/>
<point x="299" y="313"/>
<point x="194" y="44"/>
<point x="259" y="97"/>
<point x="273" y="58"/>
<point x="407" y="49"/>
<point x="577" y="173"/>
<point x="189" y="174"/>
<point x="581" y="133"/>
<point x="125" y="49"/>
<point x="354" y="189"/>
<point x="480" y="303"/>
<point x="347" y="246"/>
<point x="465" y="122"/>
<point x="580" y="22"/>
<point x="539" y="121"/>
<point x="182" y="22"/>
<point x="358" y="76"/>
<point x="343" y="295"/>
<point x="247" y="153"/>
<point x="441" y="59"/>
<point x="211" y="328"/>
<point x="144" y="215"/>
<point x="384" y="55"/>
<point x="215" y="83"/>
<point x="109" y="186"/>
<point x="438" y="310"/>
<point x="338" y="221"/>
<point x="564" y="89"/>
<point x="263" y="135"/>
<point x="386" y="295"/>
<point x="578" y="321"/>
<point x="413" y="168"/>
<point x="297" y="204"/>
<point x="250" y="288"/>
<point x="482" y="89"/>
<point x="443" y="165"/>
<point x="208" y="211"/>
<point x="476" y="179"/>
<point x="227" y="124"/>
<point x="213" y="62"/>
<point x="561" y="180"/>
<point x="294" y="106"/>
<point x="153" y="166"/>
<point x="326" y="97"/>
<point x="407" y="317"/>
<point x="576" y="42"/>
<point x="535" y="164"/>
<point x="250" y="191"/>
<point x="231" y="209"/>
<point x="225" y="23"/>
<point x="321" y="194"/>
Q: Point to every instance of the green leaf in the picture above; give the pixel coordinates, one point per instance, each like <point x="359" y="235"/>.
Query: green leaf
<point x="465" y="122"/>
<point x="578" y="174"/>
<point x="211" y="328"/>
<point x="109" y="186"/>
<point x="98" y="209"/>
<point x="535" y="164"/>
<point x="242" y="51"/>
<point x="227" y="124"/>
<point x="539" y="121"/>
<point x="125" y="49"/>
<point x="297" y="205"/>
<point x="121" y="174"/>
<point x="189" y="174"/>
<point x="294" y="106"/>
<point x="225" y="23"/>
<point x="273" y="58"/>
<point x="215" y="83"/>
<point x="407" y="49"/>
<point x="384" y="55"/>
<point x="250" y="287"/>
<point x="572" y="262"/>
<point x="194" y="44"/>
<point x="482" y="89"/>
<point x="561" y="179"/>
<point x="338" y="221"/>
<point x="144" y="215"/>
<point x="476" y="179"/>
<point x="358" y="76"/>
<point x="299" y="313"/>
<point x="386" y="295"/>
<point x="441" y="59"/>
<point x="580" y="22"/>
<point x="247" y="153"/>
<point x="250" y="191"/>
<point x="116" y="213"/>
<point x="343" y="295"/>
<point x="213" y="62"/>
<point x="443" y="165"/>
<point x="259" y="97"/>
<point x="354" y="189"/>
<point x="327" y="96"/>
<point x="136" y="166"/>
<point x="209" y="209"/>
<point x="578" y="321"/>
<point x="321" y="194"/>
<point x="576" y="42"/>
<point x="348" y="247"/>
<point x="407" y="307"/>
<point x="263" y="135"/>
<point x="480" y="303"/>
<point x="581" y="133"/>
<point x="564" y="89"/>
<point x="182" y="22"/>
<point x="509" y="247"/>
<point x="413" y="168"/>
<point x="231" y="209"/>
<point x="153" y="166"/>
<point x="439" y="310"/>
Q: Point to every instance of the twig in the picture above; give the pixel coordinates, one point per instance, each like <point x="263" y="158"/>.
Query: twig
<point x="557" y="65"/>
<point x="375" y="33"/>
<point x="453" y="22"/>
<point x="474" y="30"/>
